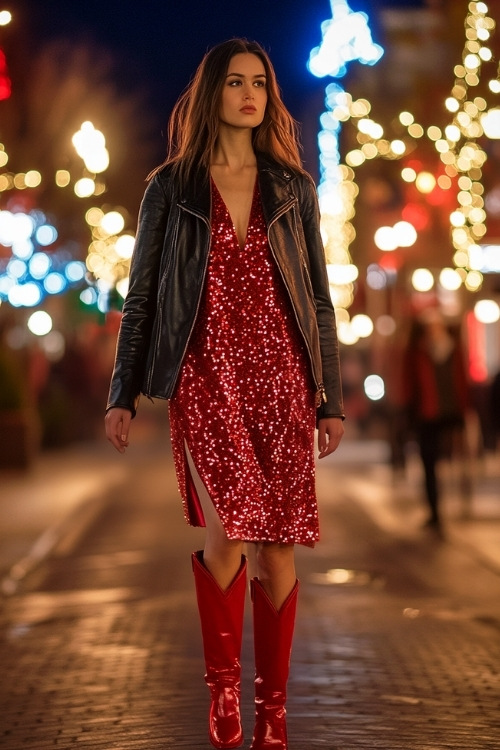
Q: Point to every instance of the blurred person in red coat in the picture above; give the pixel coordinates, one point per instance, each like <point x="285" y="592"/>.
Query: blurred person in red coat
<point x="437" y="399"/>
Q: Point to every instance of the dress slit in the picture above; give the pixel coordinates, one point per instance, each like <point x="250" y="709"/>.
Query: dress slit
<point x="194" y="508"/>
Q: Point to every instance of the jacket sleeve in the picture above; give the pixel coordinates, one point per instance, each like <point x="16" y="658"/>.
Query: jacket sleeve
<point x="140" y="304"/>
<point x="325" y="313"/>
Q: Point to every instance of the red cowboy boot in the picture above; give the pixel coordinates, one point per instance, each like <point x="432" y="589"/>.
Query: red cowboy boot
<point x="273" y="635"/>
<point x="221" y="616"/>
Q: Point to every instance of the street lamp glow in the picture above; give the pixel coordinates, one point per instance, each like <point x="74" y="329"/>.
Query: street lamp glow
<point x="5" y="17"/>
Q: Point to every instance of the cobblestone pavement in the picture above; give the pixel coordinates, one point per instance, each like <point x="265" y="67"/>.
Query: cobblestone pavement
<point x="397" y="640"/>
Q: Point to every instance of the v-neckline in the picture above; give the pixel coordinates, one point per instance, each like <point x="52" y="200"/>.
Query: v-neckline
<point x="241" y="247"/>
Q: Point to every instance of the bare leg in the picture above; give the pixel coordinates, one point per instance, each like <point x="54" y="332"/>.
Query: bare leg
<point x="221" y="556"/>
<point x="276" y="570"/>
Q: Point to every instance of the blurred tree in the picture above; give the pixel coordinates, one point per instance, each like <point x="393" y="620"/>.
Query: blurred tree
<point x="54" y="89"/>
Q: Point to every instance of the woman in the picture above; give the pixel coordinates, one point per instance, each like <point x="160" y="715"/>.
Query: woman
<point x="229" y="317"/>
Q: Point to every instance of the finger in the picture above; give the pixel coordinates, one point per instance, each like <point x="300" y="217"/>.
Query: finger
<point x="117" y="427"/>
<point x="331" y="447"/>
<point x="322" y="439"/>
<point x="332" y="442"/>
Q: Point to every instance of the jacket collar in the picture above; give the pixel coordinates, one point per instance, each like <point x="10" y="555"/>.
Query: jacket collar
<point x="275" y="184"/>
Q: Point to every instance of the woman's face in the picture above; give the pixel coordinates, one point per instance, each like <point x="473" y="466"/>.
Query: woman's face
<point x="244" y="96"/>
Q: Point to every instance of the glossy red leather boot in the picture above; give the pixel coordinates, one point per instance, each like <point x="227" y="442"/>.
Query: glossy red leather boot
<point x="273" y="635"/>
<point x="221" y="616"/>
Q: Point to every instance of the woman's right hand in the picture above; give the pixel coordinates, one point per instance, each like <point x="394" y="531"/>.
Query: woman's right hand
<point x="117" y="425"/>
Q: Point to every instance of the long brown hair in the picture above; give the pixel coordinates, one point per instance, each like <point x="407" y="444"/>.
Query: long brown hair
<point x="194" y="123"/>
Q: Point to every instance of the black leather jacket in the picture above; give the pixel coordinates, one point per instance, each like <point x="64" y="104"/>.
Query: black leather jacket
<point x="168" y="272"/>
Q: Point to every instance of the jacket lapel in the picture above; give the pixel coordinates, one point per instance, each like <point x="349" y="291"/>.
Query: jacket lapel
<point x="197" y="197"/>
<point x="276" y="188"/>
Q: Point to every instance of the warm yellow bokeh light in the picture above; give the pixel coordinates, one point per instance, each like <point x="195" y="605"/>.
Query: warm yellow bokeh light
<point x="32" y="178"/>
<point x="406" y="118"/>
<point x="422" y="280"/>
<point x="450" y="279"/>
<point x="425" y="182"/>
<point x="487" y="311"/>
<point x="112" y="222"/>
<point x="362" y="325"/>
<point x="62" y="178"/>
<point x="124" y="246"/>
<point x="451" y="104"/>
<point x="398" y="147"/>
<point x="405" y="233"/>
<point x="408" y="174"/>
<point x="385" y="239"/>
<point x="84" y="188"/>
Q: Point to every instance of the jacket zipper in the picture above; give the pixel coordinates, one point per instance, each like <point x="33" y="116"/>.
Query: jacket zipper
<point x="320" y="388"/>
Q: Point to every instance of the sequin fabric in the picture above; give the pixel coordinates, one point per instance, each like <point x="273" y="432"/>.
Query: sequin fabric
<point x="244" y="402"/>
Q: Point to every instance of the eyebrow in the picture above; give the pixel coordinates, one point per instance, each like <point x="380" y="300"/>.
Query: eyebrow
<point x="240" y="75"/>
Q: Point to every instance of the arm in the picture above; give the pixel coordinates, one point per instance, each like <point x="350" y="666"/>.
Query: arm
<point x="139" y="309"/>
<point x="325" y="314"/>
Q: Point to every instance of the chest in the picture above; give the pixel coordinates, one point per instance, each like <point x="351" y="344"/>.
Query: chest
<point x="237" y="194"/>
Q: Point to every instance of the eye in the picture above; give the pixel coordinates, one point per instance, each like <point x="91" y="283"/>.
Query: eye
<point x="260" y="84"/>
<point x="235" y="82"/>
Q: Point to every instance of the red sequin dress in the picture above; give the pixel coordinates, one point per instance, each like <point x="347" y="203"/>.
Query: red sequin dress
<point x="244" y="403"/>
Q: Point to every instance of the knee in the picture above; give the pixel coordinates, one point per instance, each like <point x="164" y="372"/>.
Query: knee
<point x="222" y="547"/>
<point x="275" y="560"/>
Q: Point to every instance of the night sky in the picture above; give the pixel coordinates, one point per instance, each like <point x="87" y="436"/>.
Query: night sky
<point x="158" y="43"/>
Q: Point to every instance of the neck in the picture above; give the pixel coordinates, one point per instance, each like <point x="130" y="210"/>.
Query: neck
<point x="233" y="149"/>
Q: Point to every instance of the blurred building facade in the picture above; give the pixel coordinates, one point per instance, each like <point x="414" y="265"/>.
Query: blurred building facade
<point x="419" y="167"/>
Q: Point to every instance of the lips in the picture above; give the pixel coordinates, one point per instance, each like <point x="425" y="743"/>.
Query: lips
<point x="249" y="110"/>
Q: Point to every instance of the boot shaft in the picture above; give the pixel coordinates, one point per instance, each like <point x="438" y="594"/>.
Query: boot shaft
<point x="221" y="615"/>
<point x="273" y="636"/>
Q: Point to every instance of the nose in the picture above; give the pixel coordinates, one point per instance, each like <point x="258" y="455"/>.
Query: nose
<point x="248" y="93"/>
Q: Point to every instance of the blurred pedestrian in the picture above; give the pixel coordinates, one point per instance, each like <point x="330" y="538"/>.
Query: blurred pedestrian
<point x="437" y="399"/>
<point x="229" y="317"/>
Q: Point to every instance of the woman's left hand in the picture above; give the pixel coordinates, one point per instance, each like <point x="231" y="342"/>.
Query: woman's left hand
<point x="330" y="431"/>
